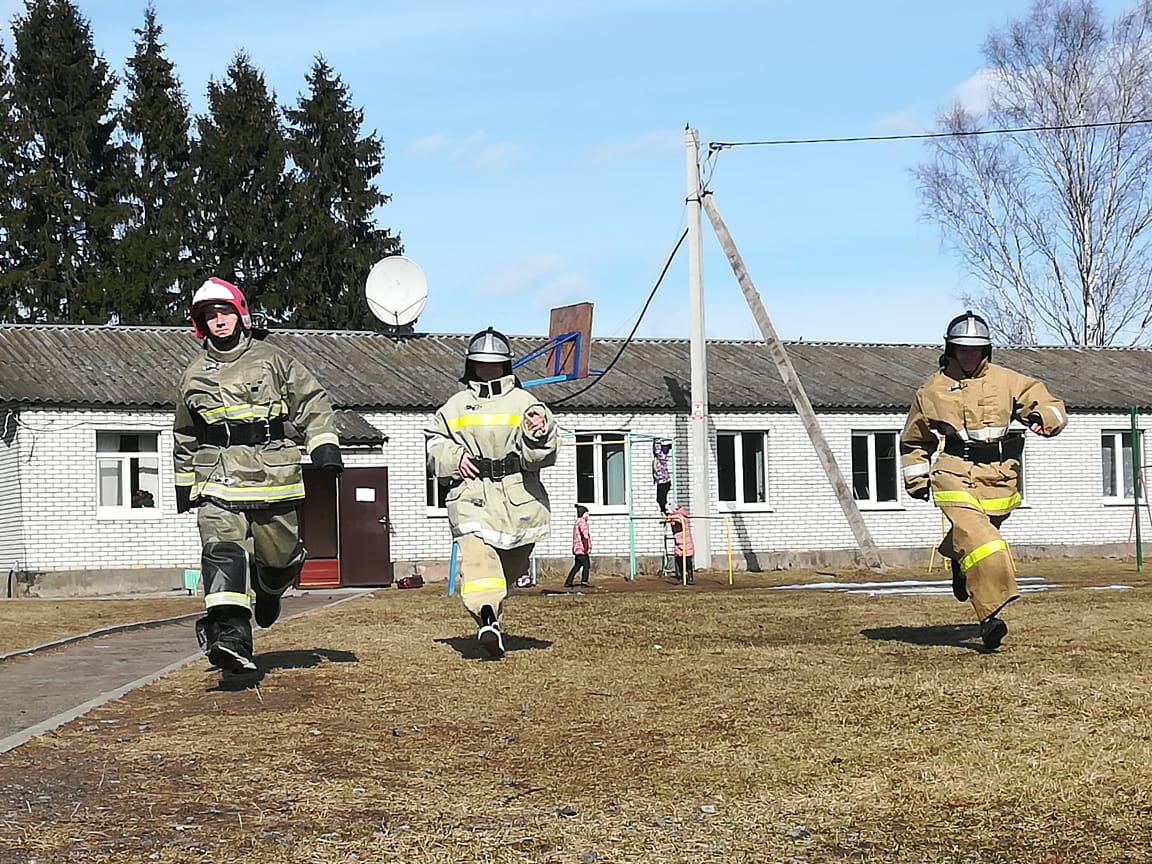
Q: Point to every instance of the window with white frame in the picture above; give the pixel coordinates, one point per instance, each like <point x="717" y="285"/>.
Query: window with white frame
<point x="601" y="475"/>
<point x="127" y="471"/>
<point x="742" y="467"/>
<point x="875" y="464"/>
<point x="1116" y="463"/>
<point x="435" y="494"/>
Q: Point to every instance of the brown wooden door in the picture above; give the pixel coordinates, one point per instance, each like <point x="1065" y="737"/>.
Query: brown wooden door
<point x="365" y="558"/>
<point x="319" y="530"/>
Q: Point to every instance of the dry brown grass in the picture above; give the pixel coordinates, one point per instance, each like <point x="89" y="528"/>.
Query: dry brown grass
<point x="28" y="623"/>
<point x="689" y="726"/>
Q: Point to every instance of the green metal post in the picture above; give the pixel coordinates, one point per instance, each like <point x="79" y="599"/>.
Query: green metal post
<point x="631" y="508"/>
<point x="1136" y="484"/>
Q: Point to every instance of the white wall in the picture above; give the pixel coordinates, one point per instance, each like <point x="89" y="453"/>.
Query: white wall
<point x="61" y="526"/>
<point x="60" y="522"/>
<point x="54" y="467"/>
<point x="1064" y="503"/>
<point x="11" y="527"/>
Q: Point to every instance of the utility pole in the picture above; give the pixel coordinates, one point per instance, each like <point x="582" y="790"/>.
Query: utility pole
<point x="869" y="554"/>
<point x="698" y="449"/>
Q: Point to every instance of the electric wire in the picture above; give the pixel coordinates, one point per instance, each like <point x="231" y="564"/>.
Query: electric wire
<point x="920" y="136"/>
<point x="635" y="327"/>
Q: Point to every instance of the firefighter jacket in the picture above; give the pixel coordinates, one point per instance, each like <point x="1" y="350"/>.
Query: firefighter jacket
<point x="507" y="506"/>
<point x="231" y="446"/>
<point x="956" y="444"/>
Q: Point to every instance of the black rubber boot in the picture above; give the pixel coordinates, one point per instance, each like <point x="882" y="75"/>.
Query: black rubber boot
<point x="491" y="639"/>
<point x="992" y="632"/>
<point x="229" y="635"/>
<point x="269" y="585"/>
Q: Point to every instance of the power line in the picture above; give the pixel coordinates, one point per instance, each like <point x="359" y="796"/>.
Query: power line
<point x="920" y="136"/>
<point x="635" y="327"/>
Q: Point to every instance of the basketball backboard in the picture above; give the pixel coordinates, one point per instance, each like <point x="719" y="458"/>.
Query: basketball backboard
<point x="573" y="352"/>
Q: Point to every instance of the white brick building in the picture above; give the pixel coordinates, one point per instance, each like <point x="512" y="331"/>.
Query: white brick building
<point x="86" y="418"/>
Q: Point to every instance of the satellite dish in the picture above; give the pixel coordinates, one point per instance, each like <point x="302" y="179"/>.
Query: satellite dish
<point x="396" y="291"/>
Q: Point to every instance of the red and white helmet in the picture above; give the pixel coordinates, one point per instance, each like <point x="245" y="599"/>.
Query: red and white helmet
<point x="218" y="291"/>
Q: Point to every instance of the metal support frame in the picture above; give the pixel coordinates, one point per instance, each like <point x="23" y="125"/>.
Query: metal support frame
<point x="554" y="344"/>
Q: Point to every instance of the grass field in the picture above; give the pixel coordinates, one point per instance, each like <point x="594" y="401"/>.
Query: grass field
<point x="627" y="726"/>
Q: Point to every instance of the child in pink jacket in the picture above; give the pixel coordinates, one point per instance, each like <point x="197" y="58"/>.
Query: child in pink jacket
<point x="581" y="547"/>
<point x="682" y="548"/>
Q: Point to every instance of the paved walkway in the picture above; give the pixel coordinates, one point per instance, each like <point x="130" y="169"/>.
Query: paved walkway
<point x="48" y="688"/>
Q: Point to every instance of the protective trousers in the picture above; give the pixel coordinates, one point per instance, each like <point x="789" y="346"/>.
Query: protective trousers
<point x="974" y="540"/>
<point x="269" y="538"/>
<point x="486" y="572"/>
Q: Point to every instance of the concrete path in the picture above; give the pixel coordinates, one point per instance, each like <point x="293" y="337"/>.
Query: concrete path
<point x="47" y="688"/>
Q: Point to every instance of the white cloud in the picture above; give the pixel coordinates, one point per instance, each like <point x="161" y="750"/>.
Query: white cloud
<point x="975" y="94"/>
<point x="474" y="149"/>
<point x="899" y="123"/>
<point x="535" y="282"/>
<point x="564" y="288"/>
<point x="638" y="146"/>
<point x="522" y="277"/>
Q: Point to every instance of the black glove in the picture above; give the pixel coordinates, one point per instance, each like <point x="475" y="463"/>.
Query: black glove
<point x="183" y="499"/>
<point x="328" y="456"/>
<point x="921" y="494"/>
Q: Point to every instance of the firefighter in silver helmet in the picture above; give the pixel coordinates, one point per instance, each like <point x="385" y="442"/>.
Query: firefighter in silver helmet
<point x="956" y="451"/>
<point x="490" y="441"/>
<point x="235" y="462"/>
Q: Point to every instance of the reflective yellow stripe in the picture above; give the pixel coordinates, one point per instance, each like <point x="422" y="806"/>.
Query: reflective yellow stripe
<point x="484" y="420"/>
<point x="492" y="583"/>
<point x="185" y="478"/>
<point x="227" y="598"/>
<point x="249" y="493"/>
<point x="323" y="438"/>
<point x="244" y="412"/>
<point x="988" y="505"/>
<point x="981" y="552"/>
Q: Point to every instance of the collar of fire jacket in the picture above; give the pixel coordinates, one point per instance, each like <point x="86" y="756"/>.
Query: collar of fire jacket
<point x="493" y="388"/>
<point x="952" y="369"/>
<point x="232" y="353"/>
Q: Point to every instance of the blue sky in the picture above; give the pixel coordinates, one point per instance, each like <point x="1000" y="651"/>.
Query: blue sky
<point x="535" y="150"/>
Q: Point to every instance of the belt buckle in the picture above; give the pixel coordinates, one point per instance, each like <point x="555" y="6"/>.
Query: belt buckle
<point x="267" y="429"/>
<point x="496" y="467"/>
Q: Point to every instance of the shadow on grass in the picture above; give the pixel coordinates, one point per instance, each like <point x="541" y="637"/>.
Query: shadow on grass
<point x="948" y="635"/>
<point x="469" y="648"/>
<point x="273" y="660"/>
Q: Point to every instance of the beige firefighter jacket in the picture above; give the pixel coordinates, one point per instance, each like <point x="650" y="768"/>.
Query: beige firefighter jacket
<point x="253" y="382"/>
<point x="977" y="408"/>
<point x="489" y="420"/>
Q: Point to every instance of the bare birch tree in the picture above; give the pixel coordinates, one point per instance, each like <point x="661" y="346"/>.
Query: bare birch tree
<point x="1055" y="224"/>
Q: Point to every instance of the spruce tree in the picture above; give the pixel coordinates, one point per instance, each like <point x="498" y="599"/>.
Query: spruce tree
<point x="153" y="259"/>
<point x="240" y="188"/>
<point x="8" y="206"/>
<point x="70" y="173"/>
<point x="335" y="238"/>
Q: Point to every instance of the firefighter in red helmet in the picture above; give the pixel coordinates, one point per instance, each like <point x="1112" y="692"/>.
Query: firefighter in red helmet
<point x="236" y="464"/>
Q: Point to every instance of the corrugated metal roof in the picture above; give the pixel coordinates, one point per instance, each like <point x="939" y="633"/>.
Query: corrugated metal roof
<point x="85" y="365"/>
<point x="354" y="429"/>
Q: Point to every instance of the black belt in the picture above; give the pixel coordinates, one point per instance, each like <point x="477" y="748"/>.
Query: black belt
<point x="986" y="451"/>
<point x="497" y="469"/>
<point x="231" y="432"/>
